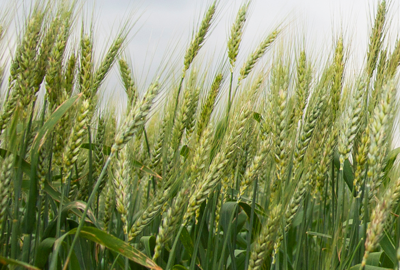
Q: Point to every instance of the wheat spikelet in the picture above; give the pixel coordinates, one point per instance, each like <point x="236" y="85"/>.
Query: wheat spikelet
<point x="351" y="123"/>
<point x="27" y="61"/>
<point x="236" y="34"/>
<point x="182" y="117"/>
<point x="337" y="76"/>
<point x="129" y="83"/>
<point x="264" y="244"/>
<point x="135" y="119"/>
<point x="158" y="147"/>
<point x="200" y="161"/>
<point x="393" y="61"/>
<point x="149" y="213"/>
<point x="109" y="203"/>
<point x="75" y="140"/>
<point x="64" y="125"/>
<point x="327" y="155"/>
<point x="307" y="130"/>
<point x="170" y="221"/>
<point x="376" y="38"/>
<point x="69" y="75"/>
<point x="200" y="157"/>
<point x="361" y="161"/>
<point x="86" y="67"/>
<point x="279" y="85"/>
<point x="255" y="167"/>
<point x="231" y="146"/>
<point x="8" y="110"/>
<point x="210" y="180"/>
<point x="209" y="105"/>
<point x="98" y="155"/>
<point x="177" y="133"/>
<point x="5" y="182"/>
<point x="121" y="182"/>
<point x="191" y="118"/>
<point x="381" y="74"/>
<point x="380" y="128"/>
<point x="45" y="48"/>
<point x="107" y="63"/>
<point x="199" y="38"/>
<point x="379" y="218"/>
<point x="257" y="54"/>
<point x="54" y="70"/>
<point x="62" y="133"/>
<point x="304" y="76"/>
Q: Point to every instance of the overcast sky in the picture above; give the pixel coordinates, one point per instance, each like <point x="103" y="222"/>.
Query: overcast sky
<point x="165" y="22"/>
<point x="168" y="24"/>
<point x="164" y="27"/>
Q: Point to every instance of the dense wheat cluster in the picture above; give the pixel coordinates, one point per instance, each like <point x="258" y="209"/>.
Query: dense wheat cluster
<point x="274" y="162"/>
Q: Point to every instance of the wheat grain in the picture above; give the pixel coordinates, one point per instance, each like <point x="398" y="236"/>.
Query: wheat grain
<point x="199" y="38"/>
<point x="135" y="119"/>
<point x="236" y="34"/>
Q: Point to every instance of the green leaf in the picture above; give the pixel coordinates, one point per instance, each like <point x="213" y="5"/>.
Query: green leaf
<point x="111" y="242"/>
<point x="185" y="151"/>
<point x="149" y="243"/>
<point x="106" y="149"/>
<point x="393" y="154"/>
<point x="142" y="167"/>
<point x="179" y="267"/>
<point x="186" y="241"/>
<point x="348" y="174"/>
<point x="379" y="259"/>
<point x="388" y="246"/>
<point x="374" y="258"/>
<point x="368" y="267"/>
<point x="257" y="117"/>
<point x="117" y="245"/>
<point x="240" y="256"/>
<point x="44" y="249"/>
<point x="227" y="212"/>
<point x="390" y="159"/>
<point x="26" y="167"/>
<point x="46" y="129"/>
<point x="29" y="223"/>
<point x="74" y="206"/>
<point x="135" y="163"/>
<point x="6" y="261"/>
<point x="319" y="234"/>
<point x="256" y="221"/>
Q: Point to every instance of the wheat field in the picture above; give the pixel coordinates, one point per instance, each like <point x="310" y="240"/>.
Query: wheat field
<point x="274" y="162"/>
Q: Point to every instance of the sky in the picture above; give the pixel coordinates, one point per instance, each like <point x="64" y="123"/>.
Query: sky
<point x="165" y="23"/>
<point x="164" y="28"/>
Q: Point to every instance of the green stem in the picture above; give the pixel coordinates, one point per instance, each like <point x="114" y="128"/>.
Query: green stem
<point x="253" y="205"/>
<point x="230" y="95"/>
<point x="91" y="198"/>
<point x="226" y="236"/>
<point x="172" y="253"/>
<point x="17" y="193"/>
<point x="177" y="96"/>
<point x="146" y="139"/>
<point x="90" y="176"/>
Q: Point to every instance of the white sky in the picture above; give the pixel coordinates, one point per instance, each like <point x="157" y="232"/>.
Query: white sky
<point x="164" y="22"/>
<point x="168" y="24"/>
<point x="164" y="27"/>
